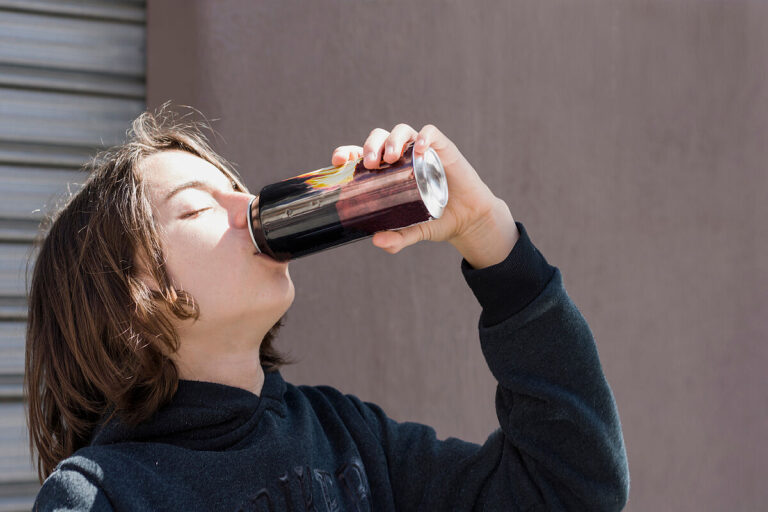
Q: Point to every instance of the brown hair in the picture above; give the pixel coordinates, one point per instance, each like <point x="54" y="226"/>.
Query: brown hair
<point x="97" y="336"/>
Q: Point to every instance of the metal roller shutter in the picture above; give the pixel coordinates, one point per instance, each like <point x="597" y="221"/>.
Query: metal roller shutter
<point x="71" y="80"/>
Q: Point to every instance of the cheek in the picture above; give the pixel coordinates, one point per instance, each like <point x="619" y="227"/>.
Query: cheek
<point x="190" y="257"/>
<point x="208" y="261"/>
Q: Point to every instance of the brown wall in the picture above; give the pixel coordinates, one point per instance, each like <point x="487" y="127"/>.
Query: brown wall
<point x="630" y="137"/>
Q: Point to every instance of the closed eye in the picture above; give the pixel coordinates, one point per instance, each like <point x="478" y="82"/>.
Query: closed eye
<point x="194" y="213"/>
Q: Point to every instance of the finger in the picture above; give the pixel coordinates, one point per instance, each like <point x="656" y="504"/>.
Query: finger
<point x="394" y="241"/>
<point x="372" y="147"/>
<point x="395" y="143"/>
<point x="343" y="154"/>
<point x="430" y="137"/>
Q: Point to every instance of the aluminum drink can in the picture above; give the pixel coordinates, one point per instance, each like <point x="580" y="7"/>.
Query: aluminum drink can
<point x="334" y="206"/>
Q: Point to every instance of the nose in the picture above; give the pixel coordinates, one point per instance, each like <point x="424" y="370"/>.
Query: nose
<point x="238" y="209"/>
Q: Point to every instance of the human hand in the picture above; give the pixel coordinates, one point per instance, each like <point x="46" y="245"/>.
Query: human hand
<point x="473" y="213"/>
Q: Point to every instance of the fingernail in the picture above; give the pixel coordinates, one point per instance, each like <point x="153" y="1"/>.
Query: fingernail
<point x="390" y="150"/>
<point x="372" y="155"/>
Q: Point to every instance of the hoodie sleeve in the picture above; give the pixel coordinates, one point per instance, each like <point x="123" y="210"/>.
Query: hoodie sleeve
<point x="559" y="445"/>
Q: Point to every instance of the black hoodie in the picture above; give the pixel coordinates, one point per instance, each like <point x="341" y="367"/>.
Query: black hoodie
<point x="313" y="448"/>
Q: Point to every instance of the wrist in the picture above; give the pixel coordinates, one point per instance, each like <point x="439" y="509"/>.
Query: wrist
<point x="491" y="239"/>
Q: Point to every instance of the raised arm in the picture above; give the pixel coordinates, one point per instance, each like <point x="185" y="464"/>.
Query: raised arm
<point x="560" y="445"/>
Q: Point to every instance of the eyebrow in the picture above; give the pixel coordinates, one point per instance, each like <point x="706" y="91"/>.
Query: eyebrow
<point x="193" y="184"/>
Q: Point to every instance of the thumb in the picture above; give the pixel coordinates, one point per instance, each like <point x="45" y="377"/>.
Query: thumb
<point x="394" y="240"/>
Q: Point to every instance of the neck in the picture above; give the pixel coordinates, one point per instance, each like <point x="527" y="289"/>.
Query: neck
<point x="220" y="359"/>
<point x="237" y="371"/>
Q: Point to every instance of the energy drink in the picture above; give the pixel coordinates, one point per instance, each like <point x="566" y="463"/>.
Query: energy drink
<point x="334" y="206"/>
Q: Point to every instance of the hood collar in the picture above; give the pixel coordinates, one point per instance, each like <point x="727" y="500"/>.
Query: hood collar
<point x="201" y="415"/>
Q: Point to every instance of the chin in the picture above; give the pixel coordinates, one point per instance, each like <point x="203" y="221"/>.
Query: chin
<point x="285" y="291"/>
<point x="292" y="292"/>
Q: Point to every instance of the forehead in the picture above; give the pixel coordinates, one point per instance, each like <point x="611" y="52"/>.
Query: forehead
<point x="166" y="169"/>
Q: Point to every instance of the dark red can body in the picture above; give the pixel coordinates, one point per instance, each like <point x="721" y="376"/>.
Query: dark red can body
<point x="334" y="206"/>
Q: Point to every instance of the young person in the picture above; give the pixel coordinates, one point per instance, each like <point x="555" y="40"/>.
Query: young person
<point x="153" y="378"/>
